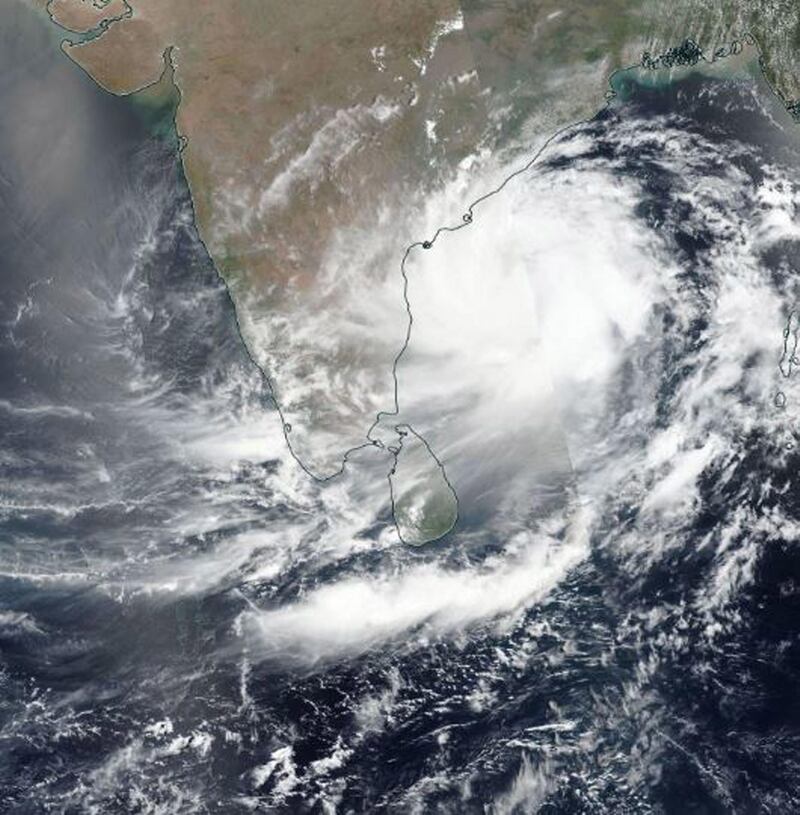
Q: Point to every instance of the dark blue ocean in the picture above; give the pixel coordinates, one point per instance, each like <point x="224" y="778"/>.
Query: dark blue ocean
<point x="656" y="677"/>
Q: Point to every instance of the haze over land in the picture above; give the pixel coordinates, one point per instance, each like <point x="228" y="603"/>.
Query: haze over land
<point x="316" y="141"/>
<point x="598" y="380"/>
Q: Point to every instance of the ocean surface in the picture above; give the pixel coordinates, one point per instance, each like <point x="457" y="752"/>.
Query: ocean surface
<point x="188" y="623"/>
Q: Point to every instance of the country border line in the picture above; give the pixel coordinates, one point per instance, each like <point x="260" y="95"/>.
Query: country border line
<point x="685" y="55"/>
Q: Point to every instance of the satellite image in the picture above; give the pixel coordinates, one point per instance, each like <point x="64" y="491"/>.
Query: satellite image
<point x="399" y="407"/>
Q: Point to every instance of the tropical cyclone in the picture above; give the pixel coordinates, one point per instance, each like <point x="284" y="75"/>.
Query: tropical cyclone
<point x="315" y="135"/>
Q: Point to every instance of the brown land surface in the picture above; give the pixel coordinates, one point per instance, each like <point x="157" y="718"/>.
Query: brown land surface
<point x="81" y="16"/>
<point x="315" y="129"/>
